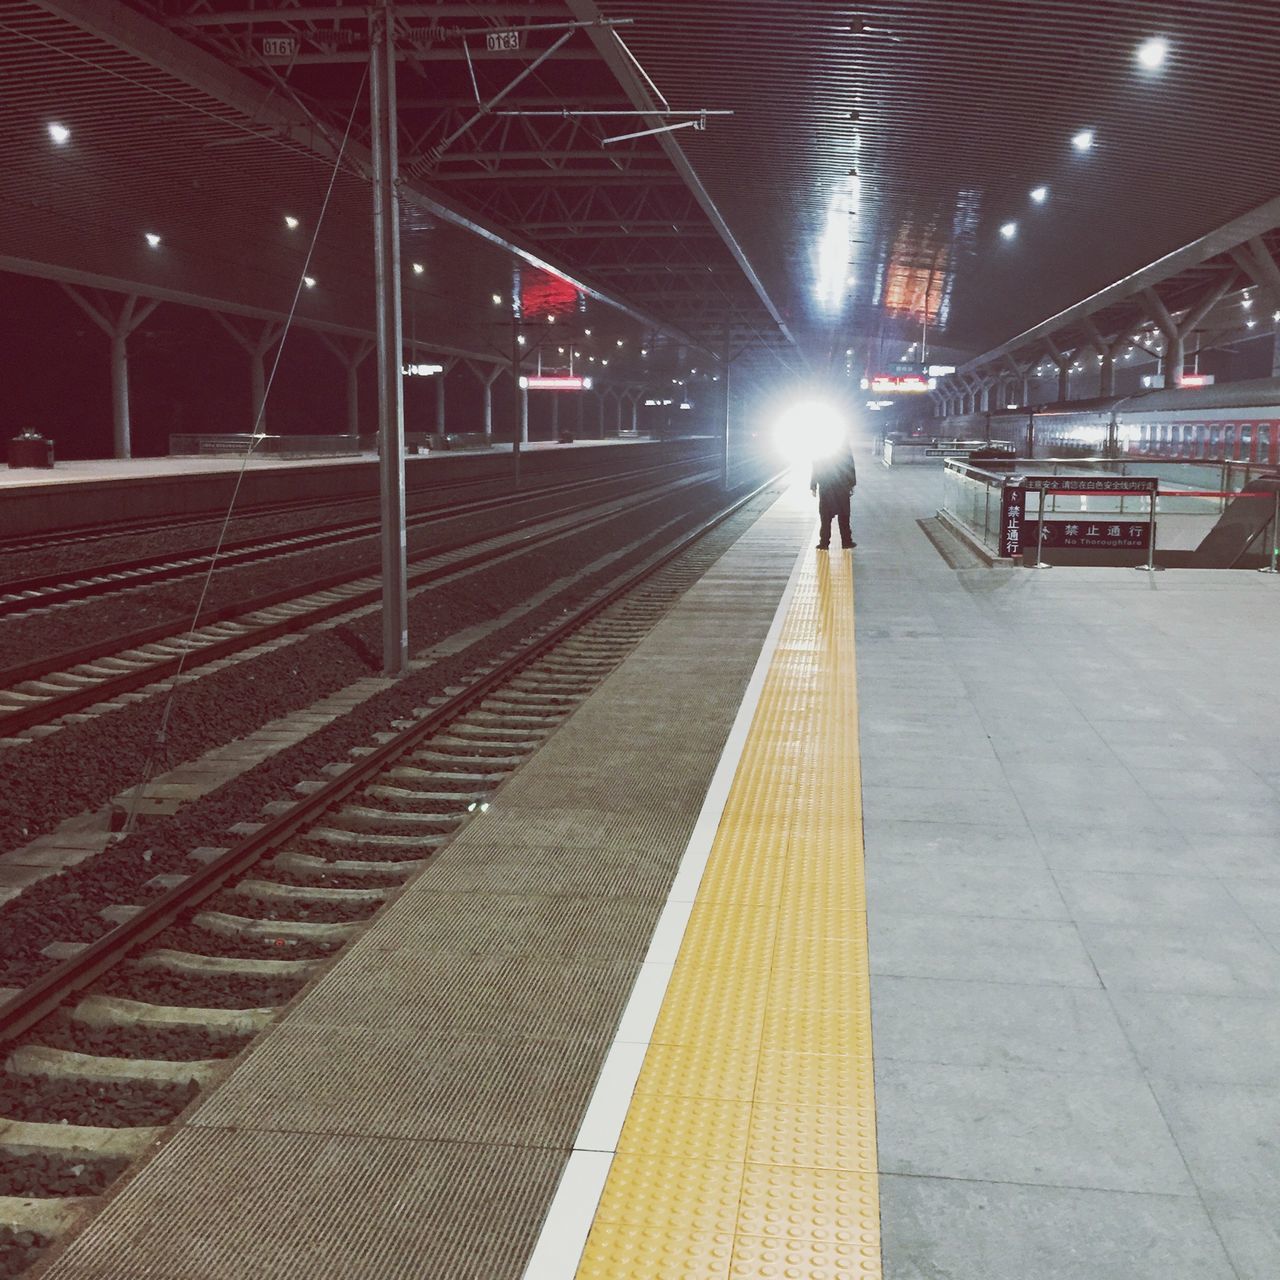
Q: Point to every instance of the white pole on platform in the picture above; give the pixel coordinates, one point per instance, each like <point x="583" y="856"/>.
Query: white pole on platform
<point x="386" y="240"/>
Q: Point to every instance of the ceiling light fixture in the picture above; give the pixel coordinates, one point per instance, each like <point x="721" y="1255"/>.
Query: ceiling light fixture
<point x="153" y="240"/>
<point x="291" y="222"/>
<point x="1039" y="194"/>
<point x="497" y="299"/>
<point x="1152" y="53"/>
<point x="1246" y="303"/>
<point x="309" y="281"/>
<point x="1083" y="140"/>
<point x="1009" y="230"/>
<point x="59" y="133"/>
<point x="418" y="268"/>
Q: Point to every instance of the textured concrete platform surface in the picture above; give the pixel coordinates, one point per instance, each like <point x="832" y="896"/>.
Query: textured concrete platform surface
<point x="411" y="1114"/>
<point x="100" y="470"/>
<point x="1071" y="788"/>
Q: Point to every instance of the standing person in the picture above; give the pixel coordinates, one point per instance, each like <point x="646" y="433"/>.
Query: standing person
<point x="833" y="479"/>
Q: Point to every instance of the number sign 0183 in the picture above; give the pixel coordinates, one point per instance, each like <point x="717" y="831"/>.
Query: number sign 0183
<point x="504" y="41"/>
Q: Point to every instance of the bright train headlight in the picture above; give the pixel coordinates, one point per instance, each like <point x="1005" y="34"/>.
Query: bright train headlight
<point x="809" y="430"/>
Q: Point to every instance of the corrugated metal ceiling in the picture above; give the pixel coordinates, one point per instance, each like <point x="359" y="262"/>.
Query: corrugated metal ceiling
<point x="950" y="111"/>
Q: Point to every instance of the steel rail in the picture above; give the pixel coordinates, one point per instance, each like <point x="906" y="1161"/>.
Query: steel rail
<point x="46" y="993"/>
<point x="43" y="712"/>
<point x="57" y="588"/>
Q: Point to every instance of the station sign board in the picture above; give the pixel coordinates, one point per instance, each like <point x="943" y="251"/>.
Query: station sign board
<point x="554" y="382"/>
<point x="1013" y="498"/>
<point x="1091" y="484"/>
<point x="899" y="384"/>
<point x="420" y="370"/>
<point x="1090" y="535"/>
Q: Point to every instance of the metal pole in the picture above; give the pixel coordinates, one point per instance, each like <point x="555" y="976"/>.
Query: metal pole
<point x="1040" y="564"/>
<point x="724" y="444"/>
<point x="1150" y="566"/>
<point x="386" y="240"/>
<point x="1275" y="538"/>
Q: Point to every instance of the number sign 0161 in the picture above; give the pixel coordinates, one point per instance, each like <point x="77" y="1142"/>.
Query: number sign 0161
<point x="504" y="41"/>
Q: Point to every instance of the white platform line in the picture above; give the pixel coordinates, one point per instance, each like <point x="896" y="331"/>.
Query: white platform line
<point x="568" y="1222"/>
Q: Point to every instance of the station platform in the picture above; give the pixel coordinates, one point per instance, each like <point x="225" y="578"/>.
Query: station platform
<point x="73" y="495"/>
<point x="97" y="470"/>
<point x="623" y="1026"/>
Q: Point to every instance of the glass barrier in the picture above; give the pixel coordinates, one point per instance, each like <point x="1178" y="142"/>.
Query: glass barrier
<point x="1192" y="495"/>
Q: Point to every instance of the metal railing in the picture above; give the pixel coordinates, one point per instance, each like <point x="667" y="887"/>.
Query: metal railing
<point x="989" y="499"/>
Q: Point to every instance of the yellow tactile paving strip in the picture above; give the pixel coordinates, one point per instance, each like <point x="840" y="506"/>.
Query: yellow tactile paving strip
<point x="749" y="1148"/>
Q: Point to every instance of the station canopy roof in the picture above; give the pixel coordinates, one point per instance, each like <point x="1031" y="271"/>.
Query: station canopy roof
<point x="829" y="177"/>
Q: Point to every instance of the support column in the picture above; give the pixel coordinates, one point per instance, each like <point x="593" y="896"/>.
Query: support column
<point x="257" y="345"/>
<point x="1021" y="373"/>
<point x="1176" y="332"/>
<point x="635" y="409"/>
<point x="386" y="237"/>
<point x="599" y="398"/>
<point x="351" y="358"/>
<point x="1063" y="361"/>
<point x="555" y="415"/>
<point x="488" y="375"/>
<point x="1256" y="260"/>
<point x="444" y="373"/>
<point x="1107" y="352"/>
<point x="117" y="325"/>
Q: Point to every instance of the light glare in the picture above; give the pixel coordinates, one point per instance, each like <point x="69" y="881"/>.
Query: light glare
<point x="153" y="240"/>
<point x="418" y="268"/>
<point x="808" y="430"/>
<point x="1040" y="194"/>
<point x="291" y="222"/>
<point x="1153" y="52"/>
<point x="309" y="281"/>
<point x="59" y="133"/>
<point x="1009" y="230"/>
<point x="1083" y="140"/>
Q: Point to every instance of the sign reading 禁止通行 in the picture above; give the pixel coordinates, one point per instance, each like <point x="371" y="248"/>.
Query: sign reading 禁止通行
<point x="1090" y="535"/>
<point x="1012" y="500"/>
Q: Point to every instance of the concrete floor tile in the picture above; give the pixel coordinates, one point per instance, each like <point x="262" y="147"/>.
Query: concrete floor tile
<point x="1249" y="818"/>
<point x="1227" y="1135"/>
<point x="999" y="1024"/>
<point x="1252" y="1240"/>
<point x="978" y="949"/>
<point x="1005" y="1125"/>
<point x="937" y="843"/>
<point x="1203" y="1038"/>
<point x="1165" y="957"/>
<point x="1212" y="787"/>
<point x="1137" y="898"/>
<point x="1259" y="899"/>
<point x="978" y="889"/>
<point x="914" y="769"/>
<point x="944" y="1229"/>
<point x="955" y="805"/>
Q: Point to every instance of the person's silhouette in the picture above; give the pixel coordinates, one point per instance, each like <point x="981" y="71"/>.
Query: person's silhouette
<point x="833" y="479"/>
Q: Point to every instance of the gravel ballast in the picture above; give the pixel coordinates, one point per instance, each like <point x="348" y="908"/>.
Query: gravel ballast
<point x="105" y="753"/>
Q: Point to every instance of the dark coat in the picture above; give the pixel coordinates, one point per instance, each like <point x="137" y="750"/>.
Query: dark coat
<point x="835" y="473"/>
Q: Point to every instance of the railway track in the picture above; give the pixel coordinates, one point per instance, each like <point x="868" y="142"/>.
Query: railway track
<point x="109" y="1046"/>
<point x="25" y="595"/>
<point x="86" y="680"/>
